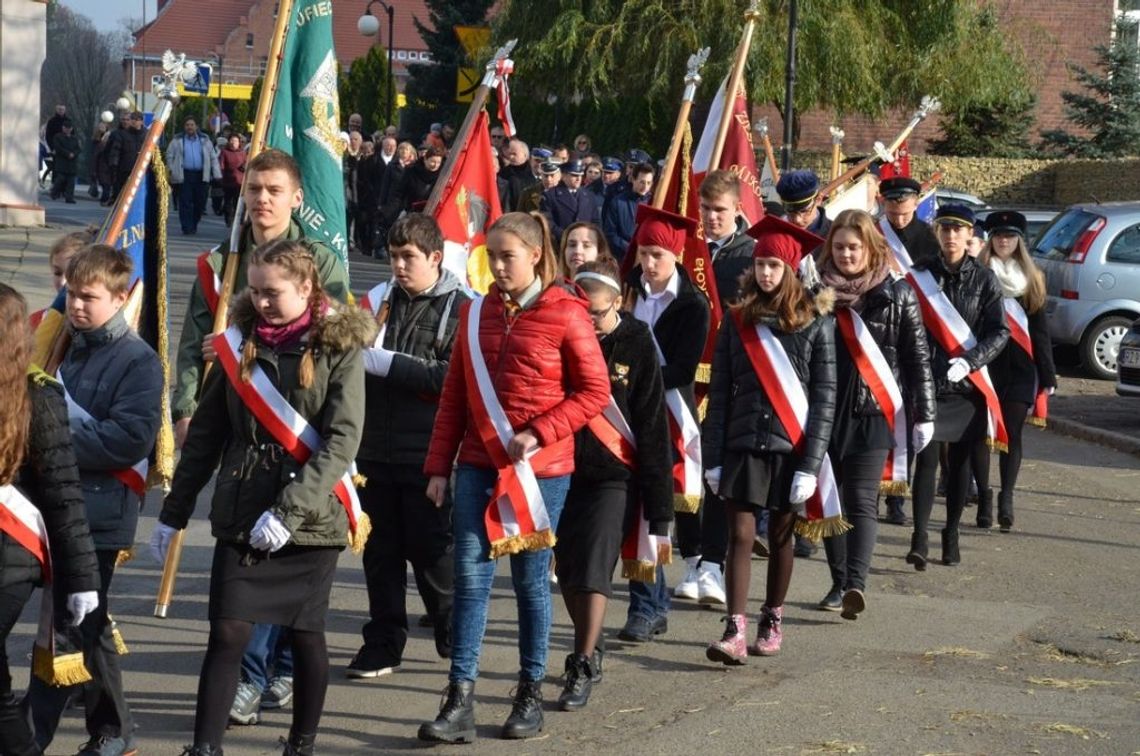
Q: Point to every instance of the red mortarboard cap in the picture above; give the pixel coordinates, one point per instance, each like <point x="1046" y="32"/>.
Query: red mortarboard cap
<point x="661" y="228"/>
<point x="777" y="238"/>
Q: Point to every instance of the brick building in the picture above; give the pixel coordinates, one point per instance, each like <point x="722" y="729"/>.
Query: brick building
<point x="1053" y="33"/>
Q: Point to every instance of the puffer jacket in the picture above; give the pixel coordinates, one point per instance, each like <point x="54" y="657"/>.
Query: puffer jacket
<point x="49" y="479"/>
<point x="740" y="415"/>
<point x="1016" y="376"/>
<point x="733" y="260"/>
<point x="117" y="378"/>
<point x="975" y="293"/>
<point x="400" y="408"/>
<point x="256" y="474"/>
<point x="547" y="370"/>
<point x="892" y="316"/>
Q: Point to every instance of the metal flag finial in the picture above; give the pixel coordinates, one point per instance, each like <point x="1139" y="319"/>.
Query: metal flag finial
<point x="693" y="74"/>
<point x="837" y="134"/>
<point x="927" y="106"/>
<point x="761" y="127"/>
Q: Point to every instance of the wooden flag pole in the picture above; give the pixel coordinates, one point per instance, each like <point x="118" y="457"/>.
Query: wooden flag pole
<point x="836" y="140"/>
<point x="229" y="276"/>
<point x="692" y="79"/>
<point x="491" y="79"/>
<point x="734" y="79"/>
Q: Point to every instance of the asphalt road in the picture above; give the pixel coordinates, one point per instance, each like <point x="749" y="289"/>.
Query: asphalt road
<point x="1032" y="645"/>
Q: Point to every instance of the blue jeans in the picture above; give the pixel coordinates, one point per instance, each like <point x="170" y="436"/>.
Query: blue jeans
<point x="268" y="654"/>
<point x="649" y="600"/>
<point x="475" y="572"/>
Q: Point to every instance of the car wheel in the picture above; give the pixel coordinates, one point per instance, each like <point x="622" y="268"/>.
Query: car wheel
<point x="1100" y="346"/>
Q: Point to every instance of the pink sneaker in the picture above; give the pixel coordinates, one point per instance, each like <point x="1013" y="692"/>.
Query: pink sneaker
<point x="768" y="634"/>
<point x="732" y="648"/>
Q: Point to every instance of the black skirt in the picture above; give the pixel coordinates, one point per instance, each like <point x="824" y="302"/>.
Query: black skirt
<point x="762" y="480"/>
<point x="960" y="418"/>
<point x="289" y="587"/>
<point x="590" y="533"/>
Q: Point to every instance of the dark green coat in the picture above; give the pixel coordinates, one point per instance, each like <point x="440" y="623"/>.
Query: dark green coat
<point x="255" y="474"/>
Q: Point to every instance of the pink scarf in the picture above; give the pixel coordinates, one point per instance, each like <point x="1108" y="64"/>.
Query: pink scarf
<point x="278" y="336"/>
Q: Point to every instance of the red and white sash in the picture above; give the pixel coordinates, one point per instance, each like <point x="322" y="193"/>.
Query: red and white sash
<point x="1019" y="332"/>
<point x="641" y="552"/>
<point x="133" y="477"/>
<point x="516" y="516"/>
<point x="685" y="435"/>
<point x="876" y="373"/>
<point x="950" y="330"/>
<point x="209" y="281"/>
<point x="24" y="524"/>
<point x="287" y="426"/>
<point x="823" y="512"/>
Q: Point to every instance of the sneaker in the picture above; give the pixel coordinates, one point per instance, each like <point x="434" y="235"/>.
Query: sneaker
<point x="760" y="547"/>
<point x="279" y="694"/>
<point x="106" y="745"/>
<point x="710" y="584"/>
<point x="365" y="666"/>
<point x="768" y="635"/>
<point x="833" y="601"/>
<point x="247" y="704"/>
<point x="732" y="648"/>
<point x="854" y="602"/>
<point x="688" y="588"/>
<point x="640" y="629"/>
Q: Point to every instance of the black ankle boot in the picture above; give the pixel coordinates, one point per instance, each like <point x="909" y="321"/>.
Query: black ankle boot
<point x="986" y="508"/>
<point x="1005" y="511"/>
<point x="597" y="658"/>
<point x="299" y="745"/>
<point x="579" y="683"/>
<point x="455" y="722"/>
<point x="950" y="555"/>
<point x="525" y="720"/>
<point x="895" y="513"/>
<point x="918" y="549"/>
<point x="201" y="750"/>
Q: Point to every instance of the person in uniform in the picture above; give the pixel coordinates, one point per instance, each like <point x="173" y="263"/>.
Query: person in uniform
<point x="531" y="199"/>
<point x="567" y="202"/>
<point x="799" y="191"/>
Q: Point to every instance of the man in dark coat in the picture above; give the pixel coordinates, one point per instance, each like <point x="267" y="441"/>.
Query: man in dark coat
<point x="799" y="191"/>
<point x="567" y="202"/>
<point x="531" y="198"/>
<point x="124" y="147"/>
<point x="900" y="201"/>
<point x="66" y="149"/>
<point x="620" y="213"/>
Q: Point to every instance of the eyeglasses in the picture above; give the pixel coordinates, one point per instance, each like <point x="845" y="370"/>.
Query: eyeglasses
<point x="597" y="314"/>
<point x="497" y="136"/>
<point x="582" y="143"/>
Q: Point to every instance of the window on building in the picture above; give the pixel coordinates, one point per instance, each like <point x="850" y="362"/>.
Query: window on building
<point x="402" y="55"/>
<point x="249" y="41"/>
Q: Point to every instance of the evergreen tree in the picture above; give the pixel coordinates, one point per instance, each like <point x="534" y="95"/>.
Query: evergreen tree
<point x="364" y="90"/>
<point x="999" y="130"/>
<point x="1109" y="110"/>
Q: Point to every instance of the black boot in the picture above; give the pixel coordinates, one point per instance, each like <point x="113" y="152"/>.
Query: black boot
<point x="986" y="508"/>
<point x="201" y="750"/>
<point x="525" y="720"/>
<point x="299" y="745"/>
<point x="918" y="549"/>
<point x="597" y="658"/>
<point x="1005" y="510"/>
<point x="455" y="722"/>
<point x="950" y="555"/>
<point x="895" y="513"/>
<point x="579" y="683"/>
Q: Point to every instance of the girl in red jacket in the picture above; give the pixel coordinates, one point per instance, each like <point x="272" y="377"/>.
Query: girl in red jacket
<point x="526" y="372"/>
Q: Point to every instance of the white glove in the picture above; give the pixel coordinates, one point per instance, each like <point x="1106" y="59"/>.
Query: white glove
<point x="803" y="486"/>
<point x="160" y="541"/>
<point x="269" y="533"/>
<point x="712" y="477"/>
<point x="1049" y="391"/>
<point x="80" y="605"/>
<point x="378" y="361"/>
<point x="958" y="370"/>
<point x="923" y="434"/>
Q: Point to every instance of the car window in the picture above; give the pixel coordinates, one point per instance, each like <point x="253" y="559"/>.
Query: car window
<point x="1056" y="241"/>
<point x="1125" y="248"/>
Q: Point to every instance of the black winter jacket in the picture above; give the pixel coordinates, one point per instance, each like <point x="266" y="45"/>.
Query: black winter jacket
<point x="740" y="416"/>
<point x="919" y="240"/>
<point x="400" y="408"/>
<point x="1014" y="374"/>
<point x="976" y="295"/>
<point x="49" y="479"/>
<point x="731" y="262"/>
<point x="416" y="185"/>
<point x="635" y="383"/>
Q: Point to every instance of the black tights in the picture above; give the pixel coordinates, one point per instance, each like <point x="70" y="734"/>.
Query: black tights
<point x="742" y="532"/>
<point x="957" y="483"/>
<point x="1009" y="463"/>
<point x="222" y="667"/>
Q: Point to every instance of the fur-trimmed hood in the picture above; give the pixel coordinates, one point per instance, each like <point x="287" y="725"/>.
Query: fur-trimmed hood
<point x="341" y="329"/>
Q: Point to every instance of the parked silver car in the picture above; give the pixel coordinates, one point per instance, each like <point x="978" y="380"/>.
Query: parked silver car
<point x="1091" y="257"/>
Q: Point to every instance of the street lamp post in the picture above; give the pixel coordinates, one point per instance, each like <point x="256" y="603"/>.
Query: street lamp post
<point x="368" y="25"/>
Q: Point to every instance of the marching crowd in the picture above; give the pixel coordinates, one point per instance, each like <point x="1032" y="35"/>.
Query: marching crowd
<point x="557" y="421"/>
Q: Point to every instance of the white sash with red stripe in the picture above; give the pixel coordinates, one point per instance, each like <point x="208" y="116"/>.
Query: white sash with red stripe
<point x="876" y="373"/>
<point x="950" y="330"/>
<point x="133" y="477"/>
<point x="823" y="511"/>
<point x="685" y="434"/>
<point x="1019" y="332"/>
<point x="516" y="516"/>
<point x="209" y="281"/>
<point x="24" y="524"/>
<point x="287" y="426"/>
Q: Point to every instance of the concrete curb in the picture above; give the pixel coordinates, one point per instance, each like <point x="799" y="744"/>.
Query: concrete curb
<point x="1118" y="441"/>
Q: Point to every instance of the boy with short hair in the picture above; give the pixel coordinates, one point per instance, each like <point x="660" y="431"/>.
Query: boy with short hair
<point x="113" y="383"/>
<point x="418" y="311"/>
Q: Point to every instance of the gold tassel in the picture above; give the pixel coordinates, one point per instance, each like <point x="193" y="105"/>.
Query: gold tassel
<point x="359" y="480"/>
<point x="703" y="409"/>
<point x="816" y="530"/>
<point x="59" y="670"/>
<point x="704" y="373"/>
<point x="642" y="572"/>
<point x="1037" y="422"/>
<point x="120" y="644"/>
<point x="686" y="503"/>
<point x="162" y="472"/>
<point x="894" y="488"/>
<point x="537" y="541"/>
<point x="124" y="556"/>
<point x="357" y="538"/>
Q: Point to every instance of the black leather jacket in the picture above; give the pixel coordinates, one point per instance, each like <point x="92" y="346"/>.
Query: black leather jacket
<point x="740" y="417"/>
<point x="976" y="295"/>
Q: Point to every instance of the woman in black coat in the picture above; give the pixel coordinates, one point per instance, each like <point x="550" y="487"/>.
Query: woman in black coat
<point x="961" y="419"/>
<point x="608" y="494"/>
<point x="1019" y="376"/>
<point x="855" y="267"/>
<point x="38" y="464"/>
<point x="419" y="179"/>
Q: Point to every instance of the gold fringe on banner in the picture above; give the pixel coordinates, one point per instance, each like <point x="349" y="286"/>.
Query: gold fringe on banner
<point x="542" y="539"/>
<point x="704" y="373"/>
<point x="163" y="470"/>
<point x="894" y="488"/>
<point x="686" y="503"/>
<point x="816" y="530"/>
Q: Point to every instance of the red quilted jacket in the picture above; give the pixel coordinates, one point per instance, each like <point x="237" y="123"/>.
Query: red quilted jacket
<point x="548" y="372"/>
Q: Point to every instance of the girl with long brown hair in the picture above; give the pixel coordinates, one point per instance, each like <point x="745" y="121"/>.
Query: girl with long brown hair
<point x="582" y="242"/>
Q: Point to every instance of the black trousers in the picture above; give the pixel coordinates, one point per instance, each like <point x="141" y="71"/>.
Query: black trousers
<point x="704" y="533"/>
<point x="958" y="472"/>
<point x="192" y="201"/>
<point x="15" y="735"/>
<point x="104" y="702"/>
<point x="407" y="527"/>
<point x="63" y="184"/>
<point x="849" y="554"/>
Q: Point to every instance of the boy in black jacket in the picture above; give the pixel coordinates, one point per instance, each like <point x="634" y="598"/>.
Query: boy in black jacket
<point x="418" y="312"/>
